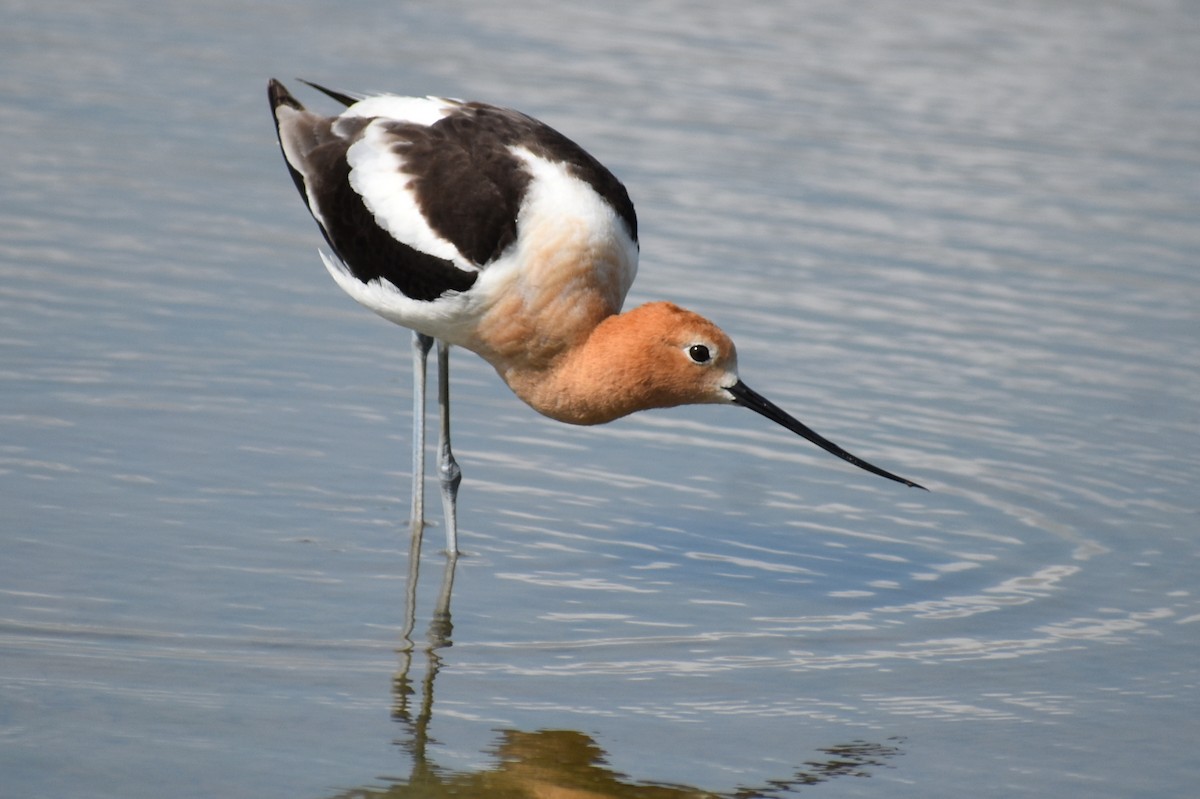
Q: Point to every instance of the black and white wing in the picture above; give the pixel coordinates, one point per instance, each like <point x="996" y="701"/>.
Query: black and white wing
<point x="423" y="192"/>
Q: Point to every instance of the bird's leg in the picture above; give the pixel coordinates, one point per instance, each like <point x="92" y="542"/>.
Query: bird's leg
<point x="421" y="345"/>
<point x="448" y="470"/>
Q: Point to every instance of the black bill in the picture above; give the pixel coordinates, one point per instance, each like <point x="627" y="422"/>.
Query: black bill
<point x="749" y="398"/>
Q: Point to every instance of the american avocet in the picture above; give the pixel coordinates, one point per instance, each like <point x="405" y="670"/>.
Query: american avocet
<point x="481" y="227"/>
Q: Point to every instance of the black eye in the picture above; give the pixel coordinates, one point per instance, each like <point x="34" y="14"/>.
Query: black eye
<point x="699" y="353"/>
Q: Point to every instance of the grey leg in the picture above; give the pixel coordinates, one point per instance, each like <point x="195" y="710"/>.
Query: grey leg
<point x="421" y="345"/>
<point x="448" y="470"/>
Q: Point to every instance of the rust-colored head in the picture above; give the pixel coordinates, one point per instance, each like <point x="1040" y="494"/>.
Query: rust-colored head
<point x="656" y="356"/>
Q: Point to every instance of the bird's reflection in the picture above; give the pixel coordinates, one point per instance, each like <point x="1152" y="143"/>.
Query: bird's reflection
<point x="551" y="763"/>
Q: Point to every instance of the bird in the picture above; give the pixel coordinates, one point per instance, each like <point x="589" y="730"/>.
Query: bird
<point x="480" y="227"/>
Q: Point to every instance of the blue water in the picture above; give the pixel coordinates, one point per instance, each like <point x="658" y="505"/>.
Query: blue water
<point x="959" y="239"/>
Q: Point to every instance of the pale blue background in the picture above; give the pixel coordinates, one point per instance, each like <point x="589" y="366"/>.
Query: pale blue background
<point x="960" y="239"/>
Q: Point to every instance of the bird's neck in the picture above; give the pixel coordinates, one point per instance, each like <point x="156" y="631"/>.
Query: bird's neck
<point x="582" y="384"/>
<point x="607" y="375"/>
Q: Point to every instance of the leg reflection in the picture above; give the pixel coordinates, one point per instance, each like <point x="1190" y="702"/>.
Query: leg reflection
<point x="437" y="637"/>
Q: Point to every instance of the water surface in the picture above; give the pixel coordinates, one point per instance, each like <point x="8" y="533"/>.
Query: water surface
<point x="959" y="240"/>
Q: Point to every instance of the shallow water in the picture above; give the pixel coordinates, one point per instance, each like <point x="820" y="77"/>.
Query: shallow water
<point x="958" y="240"/>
